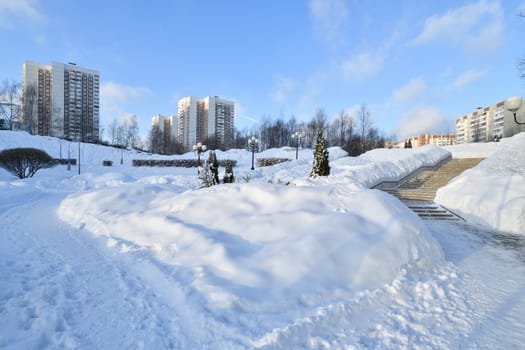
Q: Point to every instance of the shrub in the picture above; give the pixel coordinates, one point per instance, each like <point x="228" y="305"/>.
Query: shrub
<point x="228" y="174"/>
<point x="25" y="162"/>
<point x="206" y="175"/>
<point x="64" y="161"/>
<point x="214" y="167"/>
<point x="180" y="163"/>
<point x="262" y="162"/>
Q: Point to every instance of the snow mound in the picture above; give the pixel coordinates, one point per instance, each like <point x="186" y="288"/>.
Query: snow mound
<point x="260" y="247"/>
<point x="375" y="166"/>
<point x="492" y="193"/>
<point x="473" y="150"/>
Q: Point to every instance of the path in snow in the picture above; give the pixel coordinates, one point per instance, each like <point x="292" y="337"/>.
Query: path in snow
<point x="67" y="290"/>
<point x="494" y="267"/>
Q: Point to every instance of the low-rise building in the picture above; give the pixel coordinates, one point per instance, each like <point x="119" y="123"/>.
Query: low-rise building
<point x="426" y="139"/>
<point x="488" y="123"/>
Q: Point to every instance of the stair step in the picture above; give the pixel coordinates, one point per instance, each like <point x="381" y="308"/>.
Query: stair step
<point x="423" y="189"/>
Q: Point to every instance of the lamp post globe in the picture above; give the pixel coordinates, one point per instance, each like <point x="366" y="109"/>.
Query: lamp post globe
<point x="297" y="137"/>
<point x="199" y="148"/>
<point x="252" y="144"/>
<point x="513" y="104"/>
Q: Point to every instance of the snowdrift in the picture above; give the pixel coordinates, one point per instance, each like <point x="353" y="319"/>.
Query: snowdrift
<point x="261" y="247"/>
<point x="492" y="193"/>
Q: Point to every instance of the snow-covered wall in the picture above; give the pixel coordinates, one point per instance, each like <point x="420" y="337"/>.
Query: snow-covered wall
<point x="492" y="193"/>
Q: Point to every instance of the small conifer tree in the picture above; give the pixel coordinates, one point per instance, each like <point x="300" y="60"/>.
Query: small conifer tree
<point x="214" y="167"/>
<point x="206" y="176"/>
<point x="228" y="174"/>
<point x="321" y="165"/>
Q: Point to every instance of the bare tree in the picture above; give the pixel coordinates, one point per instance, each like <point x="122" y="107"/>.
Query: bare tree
<point x="112" y="130"/>
<point x="318" y="122"/>
<point x="364" y="125"/>
<point x="29" y="106"/>
<point x="10" y="96"/>
<point x="131" y="130"/>
<point x="340" y="130"/>
<point x="155" y="140"/>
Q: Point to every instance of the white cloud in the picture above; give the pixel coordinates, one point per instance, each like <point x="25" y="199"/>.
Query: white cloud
<point x="362" y="65"/>
<point x="475" y="26"/>
<point x="329" y="18"/>
<point x="12" y="10"/>
<point x="422" y="120"/>
<point x="368" y="63"/>
<point x="467" y="78"/>
<point x="410" y="91"/>
<point x="281" y="89"/>
<point x="116" y="100"/>
<point x="112" y="93"/>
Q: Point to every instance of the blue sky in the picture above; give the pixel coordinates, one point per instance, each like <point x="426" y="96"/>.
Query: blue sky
<point x="416" y="64"/>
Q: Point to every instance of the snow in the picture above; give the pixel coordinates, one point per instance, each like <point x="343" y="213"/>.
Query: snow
<point x="492" y="193"/>
<point x="474" y="150"/>
<point x="124" y="257"/>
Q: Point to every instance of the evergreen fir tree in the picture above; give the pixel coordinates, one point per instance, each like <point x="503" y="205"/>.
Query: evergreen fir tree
<point x="228" y="174"/>
<point x="214" y="167"/>
<point x="206" y="176"/>
<point x="321" y="165"/>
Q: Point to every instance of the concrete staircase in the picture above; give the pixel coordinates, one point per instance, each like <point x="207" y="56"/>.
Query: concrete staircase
<point x="424" y="186"/>
<point x="418" y="193"/>
<point x="431" y="211"/>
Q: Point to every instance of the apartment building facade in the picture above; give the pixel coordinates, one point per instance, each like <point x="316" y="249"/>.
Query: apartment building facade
<point x="164" y="134"/>
<point x="61" y="100"/>
<point x="209" y="120"/>
<point x="487" y="124"/>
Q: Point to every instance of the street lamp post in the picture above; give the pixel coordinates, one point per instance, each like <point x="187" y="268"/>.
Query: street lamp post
<point x="79" y="157"/>
<point x="513" y="104"/>
<point x="69" y="156"/>
<point x="297" y="137"/>
<point x="199" y="148"/>
<point x="252" y="144"/>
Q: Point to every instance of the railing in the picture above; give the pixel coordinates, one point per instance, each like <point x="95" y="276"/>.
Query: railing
<point x="394" y="183"/>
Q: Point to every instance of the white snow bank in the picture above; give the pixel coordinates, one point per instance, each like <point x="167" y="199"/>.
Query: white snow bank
<point x="492" y="193"/>
<point x="473" y="150"/>
<point x="378" y="165"/>
<point x="260" y="247"/>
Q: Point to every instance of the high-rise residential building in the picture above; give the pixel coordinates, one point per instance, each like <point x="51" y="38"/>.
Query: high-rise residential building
<point x="164" y="134"/>
<point x="61" y="100"/>
<point x="488" y="123"/>
<point x="209" y="120"/>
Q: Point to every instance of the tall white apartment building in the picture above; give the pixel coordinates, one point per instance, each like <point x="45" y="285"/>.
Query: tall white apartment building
<point x="487" y="123"/>
<point x="209" y="120"/>
<point x="61" y="100"/>
<point x="164" y="134"/>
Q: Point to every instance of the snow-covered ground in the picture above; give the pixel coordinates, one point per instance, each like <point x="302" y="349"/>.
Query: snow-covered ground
<point x="123" y="257"/>
<point x="492" y="193"/>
